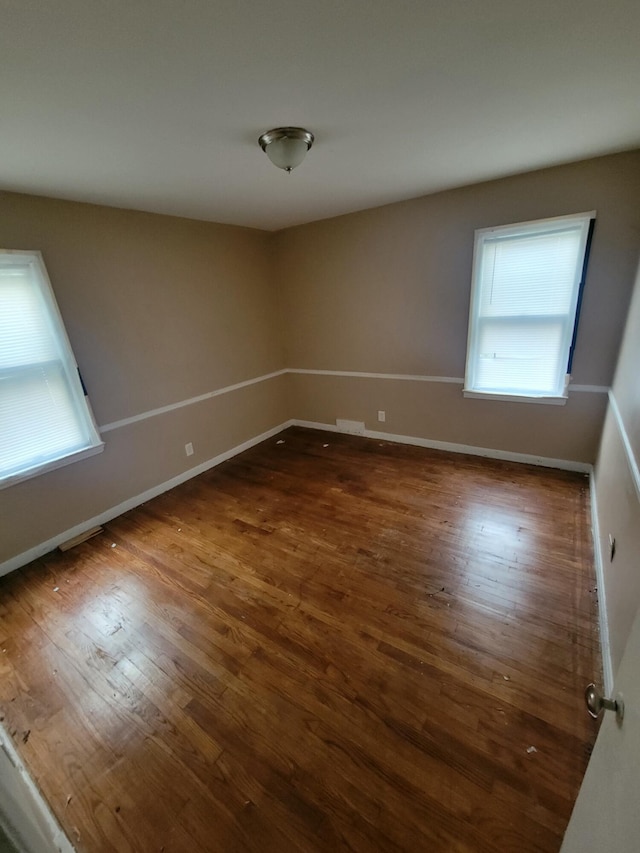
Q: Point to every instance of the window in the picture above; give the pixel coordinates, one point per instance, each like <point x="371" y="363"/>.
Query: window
<point x="45" y="419"/>
<point x="525" y="295"/>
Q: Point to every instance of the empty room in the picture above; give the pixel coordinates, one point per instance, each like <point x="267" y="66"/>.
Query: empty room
<point x="319" y="427"/>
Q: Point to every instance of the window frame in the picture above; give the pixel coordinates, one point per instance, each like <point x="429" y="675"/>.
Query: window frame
<point x="531" y="227"/>
<point x="69" y="366"/>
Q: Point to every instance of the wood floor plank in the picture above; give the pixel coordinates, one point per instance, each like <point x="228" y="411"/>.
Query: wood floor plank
<point x="330" y="643"/>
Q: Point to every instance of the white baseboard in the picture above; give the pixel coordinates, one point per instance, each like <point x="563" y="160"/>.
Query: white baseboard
<point x="506" y="455"/>
<point x="29" y="821"/>
<point x="44" y="547"/>
<point x="605" y="646"/>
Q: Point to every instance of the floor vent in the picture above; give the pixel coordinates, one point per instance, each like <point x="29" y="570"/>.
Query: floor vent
<point x="71" y="543"/>
<point x="352" y="427"/>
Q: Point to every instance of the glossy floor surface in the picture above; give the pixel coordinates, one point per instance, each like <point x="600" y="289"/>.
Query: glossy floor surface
<point x="327" y="643"/>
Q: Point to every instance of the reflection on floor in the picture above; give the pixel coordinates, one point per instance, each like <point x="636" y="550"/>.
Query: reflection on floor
<point x="326" y="643"/>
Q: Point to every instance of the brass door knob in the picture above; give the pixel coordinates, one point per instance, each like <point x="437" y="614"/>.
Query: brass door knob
<point x="596" y="703"/>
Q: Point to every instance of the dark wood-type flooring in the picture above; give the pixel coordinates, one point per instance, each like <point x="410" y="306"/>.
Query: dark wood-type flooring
<point x="331" y="643"/>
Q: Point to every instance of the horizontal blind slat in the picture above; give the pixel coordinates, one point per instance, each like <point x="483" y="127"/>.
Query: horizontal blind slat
<point x="43" y="413"/>
<point x="523" y="306"/>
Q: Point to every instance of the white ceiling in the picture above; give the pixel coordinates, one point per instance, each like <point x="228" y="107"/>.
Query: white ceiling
<point x="157" y="104"/>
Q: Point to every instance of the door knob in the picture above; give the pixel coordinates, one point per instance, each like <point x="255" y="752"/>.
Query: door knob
<point x="596" y="703"/>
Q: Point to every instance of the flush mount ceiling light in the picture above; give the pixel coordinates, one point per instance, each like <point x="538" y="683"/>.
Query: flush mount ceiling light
<point x="286" y="147"/>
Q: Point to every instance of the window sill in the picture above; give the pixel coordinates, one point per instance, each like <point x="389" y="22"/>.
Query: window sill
<point x="51" y="465"/>
<point x="515" y="398"/>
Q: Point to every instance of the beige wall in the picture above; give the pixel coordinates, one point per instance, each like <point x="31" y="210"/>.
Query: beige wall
<point x="438" y="412"/>
<point x="617" y="487"/>
<point x="387" y="291"/>
<point x="161" y="309"/>
<point x="158" y="310"/>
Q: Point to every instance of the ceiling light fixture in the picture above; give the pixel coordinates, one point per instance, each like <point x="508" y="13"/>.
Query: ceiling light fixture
<point x="286" y="147"/>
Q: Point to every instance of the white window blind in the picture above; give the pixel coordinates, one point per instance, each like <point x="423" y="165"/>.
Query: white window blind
<point x="526" y="282"/>
<point x="44" y="416"/>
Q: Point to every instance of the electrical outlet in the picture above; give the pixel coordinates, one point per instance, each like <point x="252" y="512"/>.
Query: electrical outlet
<point x="188" y="449"/>
<point x="382" y="416"/>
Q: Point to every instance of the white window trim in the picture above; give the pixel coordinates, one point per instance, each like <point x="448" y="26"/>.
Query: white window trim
<point x="515" y="398"/>
<point x="97" y="445"/>
<point x="51" y="465"/>
<point x="516" y="228"/>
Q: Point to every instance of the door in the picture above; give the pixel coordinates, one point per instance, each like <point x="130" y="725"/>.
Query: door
<point x="607" y="812"/>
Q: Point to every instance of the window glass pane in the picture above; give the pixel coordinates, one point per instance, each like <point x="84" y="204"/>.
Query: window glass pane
<point x="25" y="332"/>
<point x="44" y="416"/>
<point x="529" y="274"/>
<point x="38" y="418"/>
<point x="523" y="306"/>
<point x="519" y="357"/>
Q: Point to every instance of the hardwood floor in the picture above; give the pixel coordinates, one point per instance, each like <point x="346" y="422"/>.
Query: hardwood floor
<point x="330" y="643"/>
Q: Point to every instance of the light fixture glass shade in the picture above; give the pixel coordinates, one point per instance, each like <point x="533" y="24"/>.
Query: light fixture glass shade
<point x="286" y="147"/>
<point x="287" y="153"/>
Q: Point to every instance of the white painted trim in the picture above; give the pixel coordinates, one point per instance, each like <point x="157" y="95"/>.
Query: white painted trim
<point x="403" y="377"/>
<point x="409" y="377"/>
<point x="603" y="620"/>
<point x="514" y="398"/>
<point x="489" y="452"/>
<point x="172" y="406"/>
<point x="30" y="815"/>
<point x="67" y="459"/>
<point x="531" y="225"/>
<point x="44" y="547"/>
<point x="589" y="389"/>
<point x="631" y="459"/>
<point x="357" y="375"/>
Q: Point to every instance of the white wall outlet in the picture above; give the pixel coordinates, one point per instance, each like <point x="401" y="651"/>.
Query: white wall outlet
<point x="188" y="449"/>
<point x="382" y="416"/>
